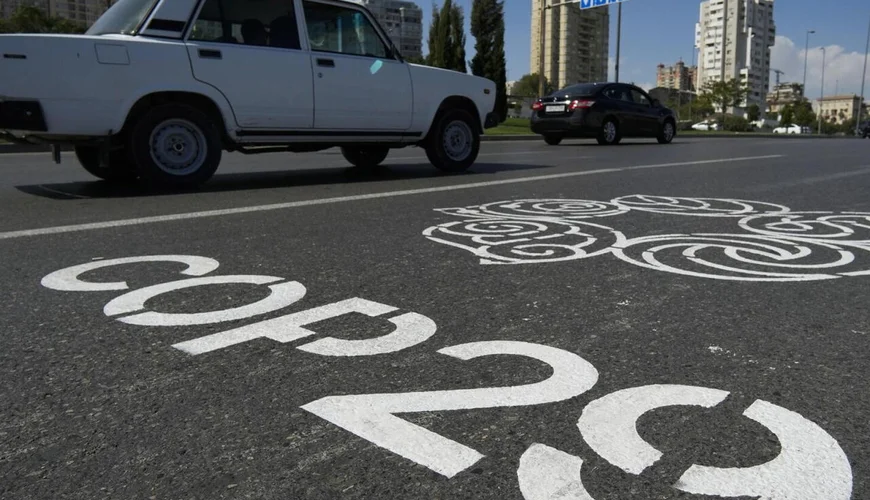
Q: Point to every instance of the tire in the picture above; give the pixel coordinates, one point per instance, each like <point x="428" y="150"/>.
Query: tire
<point x="608" y="136"/>
<point x="553" y="140"/>
<point x="667" y="133"/>
<point x="175" y="146"/>
<point x="120" y="169"/>
<point x="454" y="142"/>
<point x="365" y="156"/>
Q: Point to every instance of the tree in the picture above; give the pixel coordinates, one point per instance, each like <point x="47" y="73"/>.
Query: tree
<point x="804" y="114"/>
<point x="447" y="38"/>
<point x="786" y="117"/>
<point x="527" y="86"/>
<point x="415" y="59"/>
<point x="753" y="112"/>
<point x="28" y="19"/>
<point x="487" y="27"/>
<point x="725" y="94"/>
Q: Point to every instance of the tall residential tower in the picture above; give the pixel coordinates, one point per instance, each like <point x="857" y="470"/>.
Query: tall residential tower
<point x="749" y="33"/>
<point x="576" y="43"/>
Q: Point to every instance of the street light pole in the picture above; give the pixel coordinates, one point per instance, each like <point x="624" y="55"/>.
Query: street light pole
<point x="822" y="98"/>
<point x="863" y="79"/>
<point x="806" y="53"/>
<point x="618" y="36"/>
<point x="541" y="45"/>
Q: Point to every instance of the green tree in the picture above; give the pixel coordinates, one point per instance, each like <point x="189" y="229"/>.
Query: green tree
<point x="487" y="27"/>
<point x="415" y="59"/>
<point x="804" y="114"/>
<point x="527" y="86"/>
<point x="457" y="32"/>
<point x="753" y="112"/>
<point x="725" y="94"/>
<point x="447" y="38"/>
<point x="28" y="19"/>
<point x="786" y="117"/>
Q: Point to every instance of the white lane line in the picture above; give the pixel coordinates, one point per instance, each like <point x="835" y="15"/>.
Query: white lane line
<point x="809" y="180"/>
<point x="55" y="191"/>
<point x="340" y="199"/>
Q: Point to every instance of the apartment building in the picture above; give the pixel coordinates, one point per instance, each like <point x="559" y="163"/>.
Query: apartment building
<point x="736" y="44"/>
<point x="81" y="11"/>
<point x="403" y="20"/>
<point x="677" y="77"/>
<point x="838" y="108"/>
<point x="576" y="43"/>
<point x="784" y="94"/>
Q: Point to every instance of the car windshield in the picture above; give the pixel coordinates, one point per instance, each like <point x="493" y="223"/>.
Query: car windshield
<point x="578" y="89"/>
<point x="122" y="18"/>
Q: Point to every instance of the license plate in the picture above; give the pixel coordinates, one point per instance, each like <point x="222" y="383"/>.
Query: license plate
<point x="555" y="109"/>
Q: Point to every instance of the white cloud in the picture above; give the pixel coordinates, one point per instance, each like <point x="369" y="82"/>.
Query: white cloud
<point x="842" y="69"/>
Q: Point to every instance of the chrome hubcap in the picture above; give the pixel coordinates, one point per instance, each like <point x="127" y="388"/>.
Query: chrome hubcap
<point x="609" y="132"/>
<point x="178" y="147"/>
<point x="458" y="140"/>
<point x="669" y="131"/>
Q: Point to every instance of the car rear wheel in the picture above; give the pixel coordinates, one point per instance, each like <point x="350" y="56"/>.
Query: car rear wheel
<point x="119" y="169"/>
<point x="609" y="133"/>
<point x="552" y="139"/>
<point x="175" y="146"/>
<point x="454" y="142"/>
<point x="365" y="156"/>
<point x="667" y="133"/>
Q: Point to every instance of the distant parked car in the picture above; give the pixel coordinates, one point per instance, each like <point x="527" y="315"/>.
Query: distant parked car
<point x="706" y="125"/>
<point x="792" y="129"/>
<point x="864" y="130"/>
<point x="606" y="111"/>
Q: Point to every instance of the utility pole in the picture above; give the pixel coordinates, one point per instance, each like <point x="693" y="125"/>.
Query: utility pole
<point x="863" y="77"/>
<point x="724" y="40"/>
<point x="618" y="36"/>
<point x="822" y="98"/>
<point x="806" y="53"/>
<point x="542" y="44"/>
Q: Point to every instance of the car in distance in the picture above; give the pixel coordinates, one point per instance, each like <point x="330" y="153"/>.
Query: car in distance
<point x="706" y="125"/>
<point x="604" y="111"/>
<point x="792" y="129"/>
<point x="864" y="130"/>
<point x="156" y="90"/>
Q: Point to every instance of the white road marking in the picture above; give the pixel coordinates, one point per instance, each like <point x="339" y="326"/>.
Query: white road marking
<point x="546" y="473"/>
<point x="343" y="199"/>
<point x="67" y="279"/>
<point x="373" y="416"/>
<point x="411" y="329"/>
<point x="609" y="424"/>
<point x="281" y="295"/>
<point x="811" y="465"/>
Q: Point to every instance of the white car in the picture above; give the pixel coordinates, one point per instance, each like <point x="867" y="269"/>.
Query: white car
<point x="158" y="89"/>
<point x="792" y="129"/>
<point x="706" y="125"/>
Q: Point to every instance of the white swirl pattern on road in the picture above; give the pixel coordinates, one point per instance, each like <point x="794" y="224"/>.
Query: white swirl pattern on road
<point x="780" y="245"/>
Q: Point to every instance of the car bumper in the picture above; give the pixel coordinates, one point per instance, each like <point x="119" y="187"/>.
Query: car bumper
<point x="492" y="120"/>
<point x="22" y="115"/>
<point x="576" y="124"/>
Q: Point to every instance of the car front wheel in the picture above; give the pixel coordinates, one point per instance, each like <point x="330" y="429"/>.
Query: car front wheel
<point x="454" y="143"/>
<point x="119" y="168"/>
<point x="365" y="156"/>
<point x="175" y="146"/>
<point x="667" y="133"/>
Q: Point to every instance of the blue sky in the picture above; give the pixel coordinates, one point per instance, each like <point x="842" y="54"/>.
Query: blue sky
<point x="654" y="32"/>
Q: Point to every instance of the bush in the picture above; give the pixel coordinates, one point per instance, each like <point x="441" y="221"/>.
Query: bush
<point x="736" y="124"/>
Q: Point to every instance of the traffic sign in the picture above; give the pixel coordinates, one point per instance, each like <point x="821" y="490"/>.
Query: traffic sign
<point x="588" y="4"/>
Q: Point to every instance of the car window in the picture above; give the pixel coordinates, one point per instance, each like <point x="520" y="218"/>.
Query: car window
<point x="640" y="98"/>
<point x="248" y="22"/>
<point x="344" y="30"/>
<point x="618" y="93"/>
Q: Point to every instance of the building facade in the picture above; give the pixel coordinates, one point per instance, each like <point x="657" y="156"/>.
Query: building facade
<point x="80" y="11"/>
<point x="838" y="108"/>
<point x="784" y="94"/>
<point x="403" y="21"/>
<point x="736" y="45"/>
<point x="576" y="43"/>
<point x="677" y="77"/>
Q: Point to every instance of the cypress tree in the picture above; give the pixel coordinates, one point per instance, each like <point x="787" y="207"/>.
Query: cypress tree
<point x="487" y="26"/>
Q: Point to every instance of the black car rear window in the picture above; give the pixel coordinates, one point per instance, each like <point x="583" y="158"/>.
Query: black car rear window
<point x="579" y="89"/>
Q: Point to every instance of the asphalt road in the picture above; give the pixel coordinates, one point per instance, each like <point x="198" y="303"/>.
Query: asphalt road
<point x="566" y="322"/>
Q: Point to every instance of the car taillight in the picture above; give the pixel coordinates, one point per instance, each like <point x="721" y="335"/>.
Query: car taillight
<point x="580" y="104"/>
<point x="537" y="106"/>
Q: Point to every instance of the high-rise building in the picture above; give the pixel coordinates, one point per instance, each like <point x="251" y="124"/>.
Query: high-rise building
<point x="736" y="45"/>
<point x="677" y="77"/>
<point x="403" y="21"/>
<point x="81" y="11"/>
<point x="576" y="43"/>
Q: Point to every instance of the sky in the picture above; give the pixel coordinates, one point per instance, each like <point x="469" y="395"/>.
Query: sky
<point x="660" y="32"/>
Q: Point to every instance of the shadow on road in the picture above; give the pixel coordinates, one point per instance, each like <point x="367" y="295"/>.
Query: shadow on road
<point x="266" y="180"/>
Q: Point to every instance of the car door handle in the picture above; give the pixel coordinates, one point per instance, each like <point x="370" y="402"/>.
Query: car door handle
<point x="210" y="54"/>
<point x="328" y="63"/>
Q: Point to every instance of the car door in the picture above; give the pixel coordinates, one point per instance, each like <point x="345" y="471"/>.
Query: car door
<point x="251" y="52"/>
<point x="647" y="115"/>
<point x="620" y="104"/>
<point x="359" y="84"/>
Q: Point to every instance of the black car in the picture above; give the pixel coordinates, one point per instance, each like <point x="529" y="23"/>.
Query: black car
<point x="605" y="111"/>
<point x="864" y="130"/>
